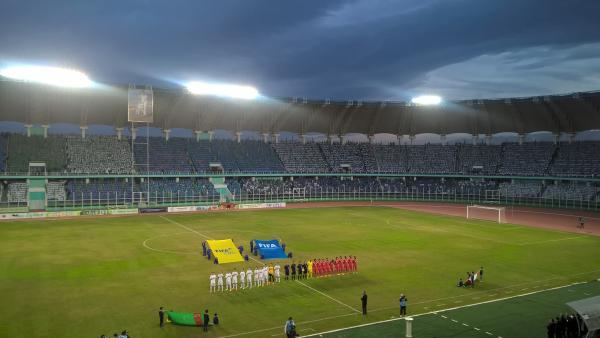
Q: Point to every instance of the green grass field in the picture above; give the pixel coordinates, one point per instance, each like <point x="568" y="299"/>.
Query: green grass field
<point x="84" y="277"/>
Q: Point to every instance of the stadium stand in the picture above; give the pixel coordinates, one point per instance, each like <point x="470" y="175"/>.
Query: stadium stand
<point x="391" y="158"/>
<point x="164" y="156"/>
<point x="527" y="159"/>
<point x="98" y="155"/>
<point x="78" y="190"/>
<point x="478" y="159"/>
<point x="577" y="159"/>
<point x="22" y="150"/>
<point x="3" y="150"/>
<point x="520" y="189"/>
<point x="432" y="159"/>
<point x="17" y="192"/>
<point x="338" y="156"/>
<point x="571" y="191"/>
<point x="55" y="190"/>
<point x="183" y="186"/>
<point x="301" y="158"/>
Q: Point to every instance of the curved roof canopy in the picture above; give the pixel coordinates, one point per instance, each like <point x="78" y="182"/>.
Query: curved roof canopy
<point x="176" y="108"/>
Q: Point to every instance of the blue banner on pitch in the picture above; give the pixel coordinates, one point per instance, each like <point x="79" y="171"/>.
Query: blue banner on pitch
<point x="269" y="249"/>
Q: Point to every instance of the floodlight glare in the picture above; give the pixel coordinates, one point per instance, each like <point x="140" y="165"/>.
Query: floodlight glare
<point x="233" y="91"/>
<point x="48" y="75"/>
<point x="427" y="100"/>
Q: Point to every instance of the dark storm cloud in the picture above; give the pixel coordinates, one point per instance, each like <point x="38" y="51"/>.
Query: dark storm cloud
<point x="370" y="49"/>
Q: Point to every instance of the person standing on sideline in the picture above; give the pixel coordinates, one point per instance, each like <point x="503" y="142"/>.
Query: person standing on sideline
<point x="161" y="316"/>
<point x="205" y="321"/>
<point x="363" y="301"/>
<point x="286" y="268"/>
<point x="251" y="247"/>
<point x="290" y="328"/>
<point x="403" y="303"/>
<point x="481" y="274"/>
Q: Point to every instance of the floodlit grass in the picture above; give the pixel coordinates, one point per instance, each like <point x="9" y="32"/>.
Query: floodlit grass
<point x="88" y="276"/>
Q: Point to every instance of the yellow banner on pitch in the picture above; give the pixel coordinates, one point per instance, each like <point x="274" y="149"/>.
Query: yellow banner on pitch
<point x="225" y="251"/>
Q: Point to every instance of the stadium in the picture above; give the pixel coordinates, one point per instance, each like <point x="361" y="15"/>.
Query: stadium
<point x="121" y="206"/>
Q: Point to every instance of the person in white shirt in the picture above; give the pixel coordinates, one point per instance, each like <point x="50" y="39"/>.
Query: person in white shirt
<point x="220" y="282"/>
<point x="257" y="278"/>
<point x="249" y="278"/>
<point x="228" y="281"/>
<point x="234" y="279"/>
<point x="277" y="275"/>
<point x="265" y="275"/>
<point x="243" y="279"/>
<point x="213" y="282"/>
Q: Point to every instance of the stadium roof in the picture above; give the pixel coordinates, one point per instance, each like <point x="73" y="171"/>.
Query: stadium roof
<point x="176" y="108"/>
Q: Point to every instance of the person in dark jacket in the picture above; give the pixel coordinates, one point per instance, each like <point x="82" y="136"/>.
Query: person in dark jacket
<point x="363" y="301"/>
<point x="161" y="316"/>
<point x="205" y="321"/>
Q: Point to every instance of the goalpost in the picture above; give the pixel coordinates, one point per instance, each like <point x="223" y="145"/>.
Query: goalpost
<point x="497" y="214"/>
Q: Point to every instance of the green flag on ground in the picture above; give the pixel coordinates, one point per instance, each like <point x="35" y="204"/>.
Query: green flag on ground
<point x="184" y="318"/>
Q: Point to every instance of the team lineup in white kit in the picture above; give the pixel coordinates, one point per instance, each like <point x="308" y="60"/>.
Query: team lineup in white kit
<point x="232" y="281"/>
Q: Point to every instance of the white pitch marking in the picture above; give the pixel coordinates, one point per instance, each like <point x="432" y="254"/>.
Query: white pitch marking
<point x="476" y="328"/>
<point x="465" y="324"/>
<point x="454" y="320"/>
<point x="488" y="333"/>
<point x="445" y="310"/>
<point x="444" y="317"/>
<point x="328" y="296"/>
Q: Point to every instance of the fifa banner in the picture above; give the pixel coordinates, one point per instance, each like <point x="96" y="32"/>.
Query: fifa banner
<point x="140" y="105"/>
<point x="183" y="318"/>
<point x="225" y="251"/>
<point x="269" y="249"/>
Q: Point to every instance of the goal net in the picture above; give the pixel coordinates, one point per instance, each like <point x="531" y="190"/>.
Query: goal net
<point x="496" y="214"/>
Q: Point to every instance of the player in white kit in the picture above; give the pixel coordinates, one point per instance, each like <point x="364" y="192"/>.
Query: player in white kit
<point x="228" y="281"/>
<point x="249" y="278"/>
<point x="220" y="282"/>
<point x="265" y="275"/>
<point x="243" y="279"/>
<point x="277" y="275"/>
<point x="234" y="279"/>
<point x="213" y="282"/>
<point x="257" y="278"/>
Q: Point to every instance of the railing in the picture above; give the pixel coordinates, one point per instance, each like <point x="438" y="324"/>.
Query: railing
<point x="424" y="194"/>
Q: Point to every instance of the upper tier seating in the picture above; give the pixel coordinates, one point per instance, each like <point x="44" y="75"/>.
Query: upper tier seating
<point x="337" y="155"/>
<point x="478" y="159"/>
<point x="99" y="155"/>
<point x="391" y="158"/>
<point x="301" y="158"/>
<point x="527" y="159"/>
<point x="577" y="159"/>
<point x="432" y="159"/>
<point x="23" y="149"/>
<point x="164" y="156"/>
<point x="3" y="150"/>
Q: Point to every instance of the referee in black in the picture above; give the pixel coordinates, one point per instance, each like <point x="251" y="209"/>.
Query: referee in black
<point x="161" y="316"/>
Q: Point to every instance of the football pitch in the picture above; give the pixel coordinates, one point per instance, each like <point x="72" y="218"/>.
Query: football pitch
<point x="90" y="276"/>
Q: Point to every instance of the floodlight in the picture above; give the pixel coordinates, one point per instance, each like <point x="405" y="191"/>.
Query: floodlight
<point x="226" y="90"/>
<point x="48" y="75"/>
<point x="427" y="100"/>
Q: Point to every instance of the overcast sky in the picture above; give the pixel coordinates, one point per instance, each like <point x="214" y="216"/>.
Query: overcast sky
<point x="362" y="49"/>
